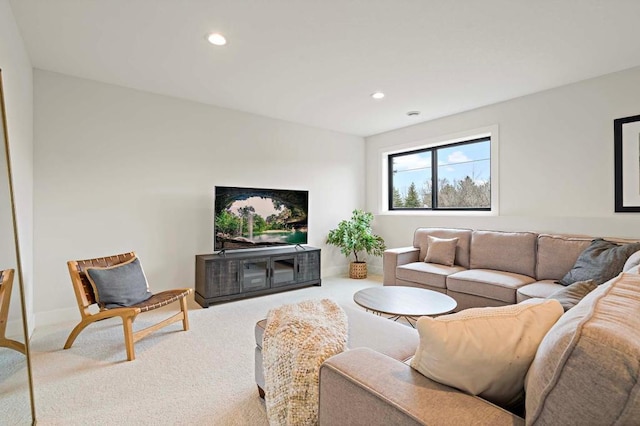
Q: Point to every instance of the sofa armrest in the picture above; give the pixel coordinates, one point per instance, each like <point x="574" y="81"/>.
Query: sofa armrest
<point x="364" y="387"/>
<point x="392" y="258"/>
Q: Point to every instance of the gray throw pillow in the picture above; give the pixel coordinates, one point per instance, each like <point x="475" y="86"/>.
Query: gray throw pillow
<point x="120" y="285"/>
<point x="600" y="262"/>
<point x="572" y="294"/>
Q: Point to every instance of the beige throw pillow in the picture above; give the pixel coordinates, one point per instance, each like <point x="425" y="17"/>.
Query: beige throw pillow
<point x="485" y="351"/>
<point x="441" y="250"/>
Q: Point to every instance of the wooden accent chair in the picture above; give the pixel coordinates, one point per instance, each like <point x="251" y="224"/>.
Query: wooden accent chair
<point x="85" y="297"/>
<point x="6" y="284"/>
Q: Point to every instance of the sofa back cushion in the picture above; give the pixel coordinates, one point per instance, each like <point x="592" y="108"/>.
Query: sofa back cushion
<point x="504" y="251"/>
<point x="586" y="369"/>
<point x="462" y="249"/>
<point x="557" y="254"/>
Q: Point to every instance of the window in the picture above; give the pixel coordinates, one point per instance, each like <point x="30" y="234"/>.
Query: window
<point x="455" y="176"/>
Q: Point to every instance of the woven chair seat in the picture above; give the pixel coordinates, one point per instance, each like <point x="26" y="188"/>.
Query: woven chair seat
<point x="162" y="299"/>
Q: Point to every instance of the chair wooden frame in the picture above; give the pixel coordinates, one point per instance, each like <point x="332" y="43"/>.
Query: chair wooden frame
<point x="86" y="297"/>
<point x="6" y="285"/>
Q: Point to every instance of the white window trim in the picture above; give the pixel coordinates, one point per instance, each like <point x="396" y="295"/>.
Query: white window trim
<point x="383" y="172"/>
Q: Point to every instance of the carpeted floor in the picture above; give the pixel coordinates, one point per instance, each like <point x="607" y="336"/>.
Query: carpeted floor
<point x="203" y="376"/>
<point x="14" y="391"/>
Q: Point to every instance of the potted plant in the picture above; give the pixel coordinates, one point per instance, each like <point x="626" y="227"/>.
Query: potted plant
<point x="356" y="236"/>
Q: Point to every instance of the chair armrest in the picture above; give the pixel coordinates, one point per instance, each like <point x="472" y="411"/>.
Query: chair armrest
<point x="392" y="258"/>
<point x="362" y="386"/>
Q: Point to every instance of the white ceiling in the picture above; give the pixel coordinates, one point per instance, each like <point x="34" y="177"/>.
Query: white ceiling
<point x="316" y="62"/>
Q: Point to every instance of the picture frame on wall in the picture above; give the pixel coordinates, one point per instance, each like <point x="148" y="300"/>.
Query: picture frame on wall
<point x="627" y="164"/>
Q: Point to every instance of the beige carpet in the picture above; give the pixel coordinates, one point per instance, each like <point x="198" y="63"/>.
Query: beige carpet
<point x="14" y="393"/>
<point x="203" y="376"/>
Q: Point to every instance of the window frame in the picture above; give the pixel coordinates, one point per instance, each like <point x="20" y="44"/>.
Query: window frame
<point x="433" y="149"/>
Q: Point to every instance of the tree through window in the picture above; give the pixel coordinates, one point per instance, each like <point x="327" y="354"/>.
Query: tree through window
<point x="447" y="177"/>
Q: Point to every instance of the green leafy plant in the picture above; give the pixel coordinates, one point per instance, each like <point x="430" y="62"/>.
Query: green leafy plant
<point x="356" y="236"/>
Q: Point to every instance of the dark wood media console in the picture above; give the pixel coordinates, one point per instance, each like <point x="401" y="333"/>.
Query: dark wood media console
<point x="241" y="274"/>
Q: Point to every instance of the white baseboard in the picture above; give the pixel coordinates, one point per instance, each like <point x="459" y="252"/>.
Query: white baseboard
<point x="374" y="269"/>
<point x="14" y="330"/>
<point x="56" y="316"/>
<point x="335" y="271"/>
<point x="343" y="270"/>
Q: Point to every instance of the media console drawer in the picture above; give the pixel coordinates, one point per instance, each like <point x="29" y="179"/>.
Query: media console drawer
<point x="248" y="273"/>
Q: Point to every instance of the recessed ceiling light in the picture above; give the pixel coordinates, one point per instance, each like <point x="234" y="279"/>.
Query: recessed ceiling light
<point x="377" y="95"/>
<point x="412" y="113"/>
<point x="217" y="39"/>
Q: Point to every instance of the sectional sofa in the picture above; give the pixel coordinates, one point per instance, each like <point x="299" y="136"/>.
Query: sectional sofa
<point x="585" y="372"/>
<point x="490" y="268"/>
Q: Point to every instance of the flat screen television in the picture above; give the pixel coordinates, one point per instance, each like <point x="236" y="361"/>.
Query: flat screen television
<point x="258" y="217"/>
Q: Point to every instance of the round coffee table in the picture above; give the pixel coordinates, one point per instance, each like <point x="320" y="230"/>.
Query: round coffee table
<point x="404" y="302"/>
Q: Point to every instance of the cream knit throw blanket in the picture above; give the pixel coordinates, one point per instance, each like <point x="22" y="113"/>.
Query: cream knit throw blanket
<point x="297" y="339"/>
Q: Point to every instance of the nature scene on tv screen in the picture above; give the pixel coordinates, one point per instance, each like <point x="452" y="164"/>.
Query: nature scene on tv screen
<point x="253" y="218"/>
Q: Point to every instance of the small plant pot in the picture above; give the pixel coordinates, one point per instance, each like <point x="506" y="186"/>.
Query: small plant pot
<point x="358" y="270"/>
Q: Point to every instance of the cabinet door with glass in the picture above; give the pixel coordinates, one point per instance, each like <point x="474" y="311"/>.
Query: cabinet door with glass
<point x="254" y="274"/>
<point x="284" y="270"/>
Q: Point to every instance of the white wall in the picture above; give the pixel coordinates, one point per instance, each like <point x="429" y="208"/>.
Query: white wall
<point x="556" y="168"/>
<point x="18" y="93"/>
<point x="118" y="170"/>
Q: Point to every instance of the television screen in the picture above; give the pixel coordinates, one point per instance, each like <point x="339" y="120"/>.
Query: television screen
<point x="255" y="218"/>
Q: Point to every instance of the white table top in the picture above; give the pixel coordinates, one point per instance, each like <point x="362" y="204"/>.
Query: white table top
<point x="404" y="301"/>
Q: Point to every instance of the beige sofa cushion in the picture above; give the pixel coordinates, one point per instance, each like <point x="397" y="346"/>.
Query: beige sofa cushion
<point x="557" y="254"/>
<point x="587" y="368"/>
<point x="497" y="285"/>
<point x="430" y="274"/>
<point x="462" y="249"/>
<point x="485" y="351"/>
<point x="541" y="289"/>
<point x="504" y="251"/>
